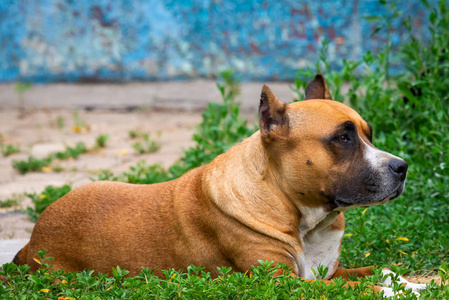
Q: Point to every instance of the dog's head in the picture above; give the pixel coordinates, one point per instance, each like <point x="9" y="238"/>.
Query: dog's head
<point x="320" y="152"/>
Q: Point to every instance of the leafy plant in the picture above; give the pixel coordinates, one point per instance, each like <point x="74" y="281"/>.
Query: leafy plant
<point x="227" y="78"/>
<point x="443" y="272"/>
<point x="60" y="122"/>
<point x="57" y="168"/>
<point x="146" y="145"/>
<point x="385" y="24"/>
<point x="8" y="149"/>
<point x="43" y="200"/>
<point x="72" y="152"/>
<point x="410" y="117"/>
<point x="221" y="128"/>
<point x="20" y="89"/>
<point x="80" y="126"/>
<point x="135" y="133"/>
<point x="320" y="272"/>
<point x="32" y="164"/>
<point x="106" y="175"/>
<point x="143" y="173"/>
<point x="9" y="202"/>
<point x="194" y="283"/>
<point x="101" y="140"/>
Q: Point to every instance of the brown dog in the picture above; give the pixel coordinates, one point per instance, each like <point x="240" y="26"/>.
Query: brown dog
<point x="277" y="196"/>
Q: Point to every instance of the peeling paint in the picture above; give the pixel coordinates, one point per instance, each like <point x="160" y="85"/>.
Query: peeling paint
<point x="100" y="40"/>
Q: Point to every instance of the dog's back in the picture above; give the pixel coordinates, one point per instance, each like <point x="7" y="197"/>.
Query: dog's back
<point x="88" y="218"/>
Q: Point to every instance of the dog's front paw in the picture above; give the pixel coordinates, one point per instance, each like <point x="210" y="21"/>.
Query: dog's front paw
<point x="415" y="287"/>
<point x="389" y="292"/>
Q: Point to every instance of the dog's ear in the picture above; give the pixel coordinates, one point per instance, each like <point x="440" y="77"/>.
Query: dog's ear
<point x="272" y="118"/>
<point x="317" y="88"/>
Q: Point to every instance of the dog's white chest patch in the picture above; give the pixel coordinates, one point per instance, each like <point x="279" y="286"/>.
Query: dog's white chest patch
<point x="321" y="244"/>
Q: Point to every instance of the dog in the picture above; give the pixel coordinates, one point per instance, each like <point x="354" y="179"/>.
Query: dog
<point x="277" y="196"/>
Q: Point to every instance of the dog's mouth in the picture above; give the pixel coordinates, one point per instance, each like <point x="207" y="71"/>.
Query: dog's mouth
<point x="367" y="202"/>
<point x="393" y="195"/>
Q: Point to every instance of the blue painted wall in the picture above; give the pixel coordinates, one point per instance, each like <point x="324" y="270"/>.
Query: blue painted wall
<point x="121" y="40"/>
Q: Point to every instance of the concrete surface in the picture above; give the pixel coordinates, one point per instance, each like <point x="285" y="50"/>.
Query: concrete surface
<point x="187" y="96"/>
<point x="9" y="248"/>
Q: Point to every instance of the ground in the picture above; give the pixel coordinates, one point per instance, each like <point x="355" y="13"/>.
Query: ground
<point x="37" y="134"/>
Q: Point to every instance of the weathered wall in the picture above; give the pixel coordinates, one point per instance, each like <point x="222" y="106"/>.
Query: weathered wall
<point x="90" y="40"/>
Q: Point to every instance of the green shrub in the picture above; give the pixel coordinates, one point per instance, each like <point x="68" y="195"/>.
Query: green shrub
<point x="141" y="173"/>
<point x="32" y="164"/>
<point x="101" y="140"/>
<point x="221" y="127"/>
<point x="135" y="133"/>
<point x="8" y="149"/>
<point x="80" y="126"/>
<point x="195" y="283"/>
<point x="146" y="145"/>
<point x="20" y="88"/>
<point x="72" y="152"/>
<point x="43" y="200"/>
<point x="410" y="117"/>
<point x="35" y="165"/>
<point x="9" y="203"/>
<point x="60" y="122"/>
<point x="148" y="173"/>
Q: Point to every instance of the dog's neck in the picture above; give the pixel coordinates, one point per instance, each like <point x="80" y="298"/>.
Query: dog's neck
<point x="314" y="219"/>
<point x="244" y="193"/>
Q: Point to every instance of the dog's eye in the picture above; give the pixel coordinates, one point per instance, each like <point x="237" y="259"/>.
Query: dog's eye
<point x="343" y="139"/>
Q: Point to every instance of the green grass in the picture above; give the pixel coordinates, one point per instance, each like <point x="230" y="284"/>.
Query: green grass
<point x="20" y="88"/>
<point x="410" y="117"/>
<point x="43" y="200"/>
<point x="60" y="122"/>
<point x="9" y="203"/>
<point x="8" y="149"/>
<point x="79" y="125"/>
<point x="71" y="152"/>
<point x="33" y="164"/>
<point x="135" y="133"/>
<point x="146" y="145"/>
<point x="193" y="284"/>
<point x="101" y="140"/>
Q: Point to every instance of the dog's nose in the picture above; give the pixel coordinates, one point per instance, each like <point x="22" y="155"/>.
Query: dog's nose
<point x="399" y="168"/>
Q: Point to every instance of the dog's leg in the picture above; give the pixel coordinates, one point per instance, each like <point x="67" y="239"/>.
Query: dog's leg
<point x="367" y="271"/>
<point x="352" y="284"/>
<point x="415" y="287"/>
<point x="359" y="272"/>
